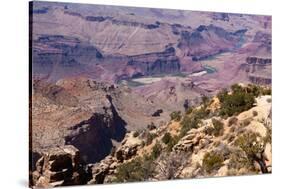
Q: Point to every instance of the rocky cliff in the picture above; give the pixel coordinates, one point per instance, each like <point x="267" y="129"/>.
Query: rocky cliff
<point x="198" y="143"/>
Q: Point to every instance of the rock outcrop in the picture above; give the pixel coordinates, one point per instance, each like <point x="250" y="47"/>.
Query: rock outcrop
<point x="60" y="166"/>
<point x="199" y="46"/>
<point x="156" y="63"/>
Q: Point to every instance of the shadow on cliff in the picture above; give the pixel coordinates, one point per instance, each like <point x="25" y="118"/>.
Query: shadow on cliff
<point x="94" y="137"/>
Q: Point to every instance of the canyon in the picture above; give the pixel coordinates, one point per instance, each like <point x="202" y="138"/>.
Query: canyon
<point x="107" y="81"/>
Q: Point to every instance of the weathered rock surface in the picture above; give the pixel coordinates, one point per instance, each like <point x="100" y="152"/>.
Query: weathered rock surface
<point x="85" y="114"/>
<point x="60" y="166"/>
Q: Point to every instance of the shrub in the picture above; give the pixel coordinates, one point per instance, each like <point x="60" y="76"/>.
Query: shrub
<point x="188" y="123"/>
<point x="253" y="146"/>
<point x="258" y="90"/>
<point x="189" y="110"/>
<point x="172" y="143"/>
<point x="176" y="115"/>
<point x="149" y="138"/>
<point x="232" y="121"/>
<point x="255" y="113"/>
<point x="222" y="95"/>
<point x="205" y="100"/>
<point x="156" y="151"/>
<point x="166" y="138"/>
<point x="236" y="102"/>
<point x="218" y="127"/>
<point x="266" y="91"/>
<point x="193" y="119"/>
<point x="139" y="169"/>
<point x="250" y="144"/>
<point x="212" y="161"/>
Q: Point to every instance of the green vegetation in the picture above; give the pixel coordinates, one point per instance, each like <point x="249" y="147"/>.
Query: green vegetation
<point x="139" y="169"/>
<point x="149" y="138"/>
<point x="176" y="115"/>
<point x="156" y="151"/>
<point x="212" y="161"/>
<point x="250" y="144"/>
<point x="166" y="138"/>
<point x="253" y="146"/>
<point x="205" y="101"/>
<point x="170" y="141"/>
<point x="218" y="127"/>
<point x="238" y="160"/>
<point x="258" y="90"/>
<point x="192" y="119"/>
<point x="239" y="100"/>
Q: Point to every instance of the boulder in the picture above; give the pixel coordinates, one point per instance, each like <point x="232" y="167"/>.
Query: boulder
<point x="59" y="166"/>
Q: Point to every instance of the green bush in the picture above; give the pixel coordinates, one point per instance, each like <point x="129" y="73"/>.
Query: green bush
<point x="218" y="127"/>
<point x="139" y="169"/>
<point x="188" y="123"/>
<point x="149" y="138"/>
<point x="156" y="151"/>
<point x="250" y="144"/>
<point x="166" y="138"/>
<point x="212" y="161"/>
<point x="253" y="146"/>
<point x="193" y="119"/>
<point x="238" y="101"/>
<point x="176" y="116"/>
<point x="205" y="100"/>
<point x="174" y="140"/>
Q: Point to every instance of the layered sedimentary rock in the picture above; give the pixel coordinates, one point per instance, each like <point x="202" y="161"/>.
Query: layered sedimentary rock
<point x="209" y="40"/>
<point x="60" y="166"/>
<point x="156" y="63"/>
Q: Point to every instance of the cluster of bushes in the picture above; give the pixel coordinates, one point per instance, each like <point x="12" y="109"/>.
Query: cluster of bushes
<point x="139" y="169"/>
<point x="250" y="144"/>
<point x="258" y="90"/>
<point x="170" y="141"/>
<point x="176" y="115"/>
<point x="239" y="100"/>
<point x="212" y="161"/>
<point x="193" y="119"/>
<point x="253" y="146"/>
<point x="156" y="151"/>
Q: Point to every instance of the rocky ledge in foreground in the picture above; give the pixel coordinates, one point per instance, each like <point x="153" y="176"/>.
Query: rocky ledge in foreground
<point x="60" y="166"/>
